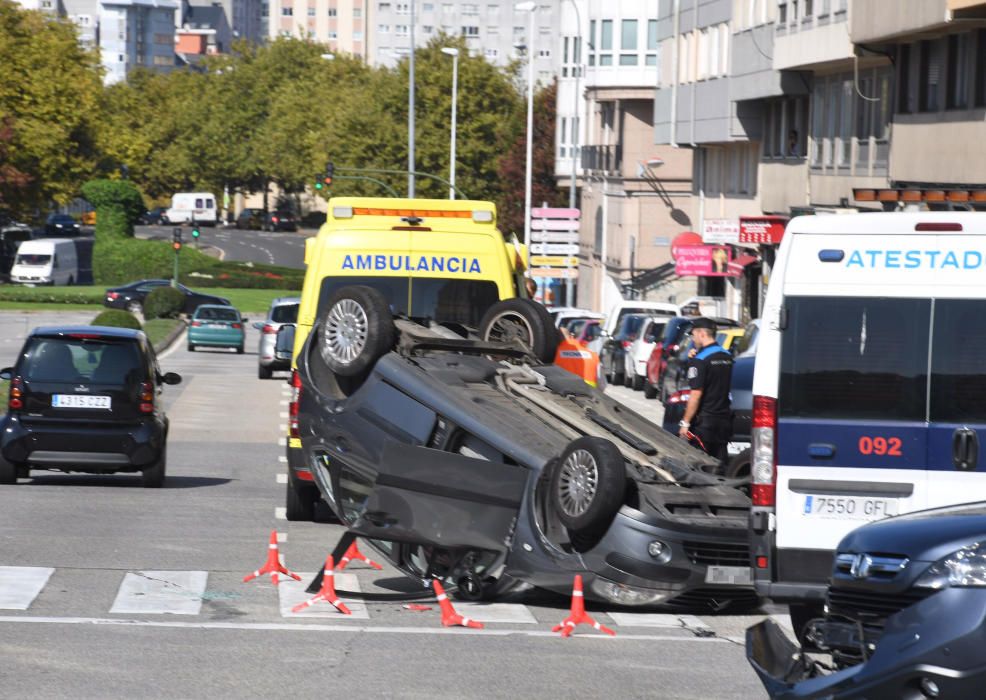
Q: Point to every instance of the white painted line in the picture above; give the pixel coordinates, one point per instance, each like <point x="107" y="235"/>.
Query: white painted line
<point x="282" y="537"/>
<point x="291" y="593"/>
<point x="282" y="478"/>
<point x="281" y="513"/>
<point x="160" y="593"/>
<point x="657" y="620"/>
<point x="362" y="629"/>
<point x="282" y="458"/>
<point x="20" y="585"/>
<point x="283" y="427"/>
<point x="282" y="414"/>
<point x="282" y="441"/>
<point x="496" y="612"/>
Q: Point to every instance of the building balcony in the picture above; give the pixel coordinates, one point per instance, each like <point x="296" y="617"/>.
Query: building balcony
<point x="606" y="159"/>
<point x="872" y="23"/>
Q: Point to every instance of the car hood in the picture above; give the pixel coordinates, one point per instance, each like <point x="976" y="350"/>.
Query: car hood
<point x="925" y="535"/>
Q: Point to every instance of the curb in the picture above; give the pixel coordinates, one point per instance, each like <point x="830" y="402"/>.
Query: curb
<point x="171" y="338"/>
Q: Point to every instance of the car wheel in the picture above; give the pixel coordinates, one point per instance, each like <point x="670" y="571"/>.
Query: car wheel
<point x="522" y="321"/>
<point x="650" y="391"/>
<point x="239" y="350"/>
<point x="356" y="331"/>
<point x="71" y="281"/>
<point x="739" y="466"/>
<point x="8" y="472"/>
<point x="588" y="485"/>
<point x="153" y="476"/>
<point x="134" y="307"/>
<point x="618" y="377"/>
<point x="264" y="372"/>
<point x="637" y="383"/>
<point x="300" y="502"/>
<point x="191" y="348"/>
<point x="627" y="380"/>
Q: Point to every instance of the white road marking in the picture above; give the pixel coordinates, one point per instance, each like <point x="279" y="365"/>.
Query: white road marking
<point x="281" y="513"/>
<point x="282" y="537"/>
<point x="282" y="478"/>
<point x="283" y="427"/>
<point x="657" y="620"/>
<point x="291" y="593"/>
<point x="160" y="593"/>
<point x="282" y="458"/>
<point x="496" y="612"/>
<point x="282" y="441"/>
<point x="282" y="414"/>
<point x="362" y="629"/>
<point x="20" y="585"/>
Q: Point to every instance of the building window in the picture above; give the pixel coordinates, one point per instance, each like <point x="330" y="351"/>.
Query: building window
<point x="493" y="11"/>
<point x="957" y="71"/>
<point x="332" y="12"/>
<point x="264" y="10"/>
<point x="544" y="53"/>
<point x="782" y="13"/>
<point x="628" y="42"/>
<point x="287" y="12"/>
<point x="931" y="75"/>
<point x="311" y="11"/>
<point x="448" y="8"/>
<point x="403" y="8"/>
<point x="492" y="31"/>
<point x="383" y="29"/>
<point x="428" y="29"/>
<point x="606" y="42"/>
<point x="357" y="12"/>
<point x="470" y="31"/>
<point x="979" y="75"/>
<point x="786" y="128"/>
<point x="383" y="7"/>
<point x="401" y="30"/>
<point x="357" y="36"/>
<point x="428" y="7"/>
<point x="491" y="53"/>
<point x="333" y="36"/>
<point x="470" y="8"/>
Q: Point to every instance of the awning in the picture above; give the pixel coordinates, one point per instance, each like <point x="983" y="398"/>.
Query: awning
<point x="738" y="264"/>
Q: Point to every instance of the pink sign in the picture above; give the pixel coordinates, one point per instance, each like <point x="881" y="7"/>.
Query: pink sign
<point x="702" y="261"/>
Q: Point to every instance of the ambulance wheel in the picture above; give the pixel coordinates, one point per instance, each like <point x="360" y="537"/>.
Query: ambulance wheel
<point x="356" y="330"/>
<point x="522" y="321"/>
<point x="650" y="391"/>
<point x="587" y="485"/>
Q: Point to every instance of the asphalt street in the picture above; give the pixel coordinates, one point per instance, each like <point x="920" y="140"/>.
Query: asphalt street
<point x="111" y="590"/>
<point x="272" y="248"/>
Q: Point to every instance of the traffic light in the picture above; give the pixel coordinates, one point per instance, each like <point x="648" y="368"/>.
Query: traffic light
<point x="323" y="181"/>
<point x="176" y="239"/>
<point x="195" y="231"/>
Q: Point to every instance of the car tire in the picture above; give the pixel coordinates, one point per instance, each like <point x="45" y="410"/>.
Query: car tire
<point x="71" y="281"/>
<point x="588" y="484"/>
<point x="134" y="307"/>
<point x="191" y="348"/>
<point x="523" y="321"/>
<point x="650" y="391"/>
<point x="8" y="472"/>
<point x="637" y="383"/>
<point x="264" y="372"/>
<point x="739" y="466"/>
<point x="153" y="476"/>
<point x="239" y="350"/>
<point x="619" y="377"/>
<point x="356" y="330"/>
<point x="300" y="501"/>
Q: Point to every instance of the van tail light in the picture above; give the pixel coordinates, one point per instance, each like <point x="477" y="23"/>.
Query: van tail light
<point x="293" y="405"/>
<point x="268" y="329"/>
<point x="764" y="458"/>
<point x="147" y="397"/>
<point x="196" y="324"/>
<point x="15" y="400"/>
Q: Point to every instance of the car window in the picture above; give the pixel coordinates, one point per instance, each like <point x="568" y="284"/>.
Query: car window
<point x="452" y="300"/>
<point x="81" y="359"/>
<point x="284" y="313"/>
<point x="394" y="289"/>
<point x="32" y="259"/>
<point x="958" y="377"/>
<point x="205" y="313"/>
<point x="855" y="358"/>
<point x="630" y="326"/>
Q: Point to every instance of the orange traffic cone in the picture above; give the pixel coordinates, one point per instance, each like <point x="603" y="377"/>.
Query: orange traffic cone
<point x="578" y="614"/>
<point x="353" y="554"/>
<point x="273" y="564"/>
<point x="327" y="592"/>
<point x="450" y="618"/>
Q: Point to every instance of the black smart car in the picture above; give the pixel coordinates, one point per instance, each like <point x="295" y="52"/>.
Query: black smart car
<point x="131" y="296"/>
<point x="85" y="399"/>
<point x="905" y="615"/>
<point x="481" y="463"/>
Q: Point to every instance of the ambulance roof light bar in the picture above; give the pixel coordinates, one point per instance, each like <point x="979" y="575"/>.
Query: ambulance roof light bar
<point x="914" y="195"/>
<point x="479" y="216"/>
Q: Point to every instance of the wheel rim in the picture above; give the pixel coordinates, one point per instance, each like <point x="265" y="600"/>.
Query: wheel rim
<point x="509" y="327"/>
<point x="578" y="483"/>
<point x="345" y="332"/>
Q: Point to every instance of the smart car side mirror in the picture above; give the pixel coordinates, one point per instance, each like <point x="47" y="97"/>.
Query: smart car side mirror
<point x="7" y="373"/>
<point x="171" y="378"/>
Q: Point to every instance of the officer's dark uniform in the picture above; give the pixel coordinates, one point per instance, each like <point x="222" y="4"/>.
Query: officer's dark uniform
<point x="711" y="370"/>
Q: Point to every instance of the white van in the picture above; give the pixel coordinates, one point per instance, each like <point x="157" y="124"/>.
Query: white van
<point x="187" y="207"/>
<point x="45" y="261"/>
<point x="868" y="389"/>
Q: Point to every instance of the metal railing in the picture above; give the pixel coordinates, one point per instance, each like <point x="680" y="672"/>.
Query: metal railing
<point x="608" y="159"/>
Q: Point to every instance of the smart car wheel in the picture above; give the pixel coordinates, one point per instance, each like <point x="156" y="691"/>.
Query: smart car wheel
<point x="588" y="485"/>
<point x="153" y="476"/>
<point x="8" y="472"/>
<point x="356" y="331"/>
<point x="522" y="321"/>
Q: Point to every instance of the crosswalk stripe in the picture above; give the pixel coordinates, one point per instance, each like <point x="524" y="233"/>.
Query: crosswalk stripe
<point x="161" y="592"/>
<point x="291" y="593"/>
<point x="20" y="585"/>
<point x="282" y="478"/>
<point x="496" y="612"/>
<point x="282" y="458"/>
<point x="281" y="513"/>
<point x="657" y="620"/>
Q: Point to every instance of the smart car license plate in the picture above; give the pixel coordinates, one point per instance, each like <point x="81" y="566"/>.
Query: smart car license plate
<point x="79" y="401"/>
<point x="729" y="575"/>
<point x="849" y="507"/>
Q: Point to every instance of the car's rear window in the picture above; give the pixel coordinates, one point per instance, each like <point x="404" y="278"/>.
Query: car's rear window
<point x="207" y="314"/>
<point x="284" y="313"/>
<point x="75" y="360"/>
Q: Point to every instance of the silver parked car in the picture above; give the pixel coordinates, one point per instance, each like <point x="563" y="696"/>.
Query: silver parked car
<point x="283" y="311"/>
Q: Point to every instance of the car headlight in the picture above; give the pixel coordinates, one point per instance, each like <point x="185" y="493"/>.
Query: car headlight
<point x="621" y="594"/>
<point x="963" y="567"/>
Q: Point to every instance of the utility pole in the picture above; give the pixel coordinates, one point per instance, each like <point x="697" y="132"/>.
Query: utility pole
<point x="410" y="113"/>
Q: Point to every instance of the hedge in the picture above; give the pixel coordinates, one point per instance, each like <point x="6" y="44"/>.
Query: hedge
<point x="163" y="302"/>
<point x="117" y="318"/>
<point x="49" y="295"/>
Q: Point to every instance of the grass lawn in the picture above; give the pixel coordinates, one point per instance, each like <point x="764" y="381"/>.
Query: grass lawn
<point x="158" y="329"/>
<point x="80" y="298"/>
<point x="4" y="389"/>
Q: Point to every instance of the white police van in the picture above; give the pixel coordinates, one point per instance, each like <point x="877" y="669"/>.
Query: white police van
<point x="869" y="388"/>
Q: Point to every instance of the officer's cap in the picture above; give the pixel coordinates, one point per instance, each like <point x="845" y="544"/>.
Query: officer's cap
<point x="706" y="323"/>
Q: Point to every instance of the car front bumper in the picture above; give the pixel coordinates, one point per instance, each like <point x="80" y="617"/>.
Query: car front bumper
<point x="938" y="640"/>
<point x="81" y="447"/>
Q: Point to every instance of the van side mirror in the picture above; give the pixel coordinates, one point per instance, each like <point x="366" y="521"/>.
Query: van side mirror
<point x="7" y="373"/>
<point x="171" y="378"/>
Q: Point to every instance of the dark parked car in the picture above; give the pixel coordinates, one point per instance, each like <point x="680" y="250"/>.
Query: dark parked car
<point x="905" y="615"/>
<point x="664" y="365"/>
<point x="85" y="399"/>
<point x="57" y="225"/>
<point x="497" y="475"/>
<point x="249" y="219"/>
<point x="154" y="217"/>
<point x="611" y="357"/>
<point x="280" y="221"/>
<point x="10" y="239"/>
<point x="131" y="296"/>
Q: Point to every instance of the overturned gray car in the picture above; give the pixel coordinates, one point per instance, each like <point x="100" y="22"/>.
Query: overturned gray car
<point x="476" y="461"/>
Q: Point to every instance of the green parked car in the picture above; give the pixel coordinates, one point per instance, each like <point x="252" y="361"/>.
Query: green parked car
<point x="216" y="326"/>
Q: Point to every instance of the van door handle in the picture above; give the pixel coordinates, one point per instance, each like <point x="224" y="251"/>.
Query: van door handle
<point x="965" y="448"/>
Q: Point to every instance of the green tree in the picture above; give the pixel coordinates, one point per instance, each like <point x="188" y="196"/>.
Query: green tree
<point x="118" y="206"/>
<point x="49" y="90"/>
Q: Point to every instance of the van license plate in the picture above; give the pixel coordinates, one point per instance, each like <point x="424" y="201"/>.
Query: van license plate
<point x="729" y="575"/>
<point x="79" y="401"/>
<point x="849" y="507"/>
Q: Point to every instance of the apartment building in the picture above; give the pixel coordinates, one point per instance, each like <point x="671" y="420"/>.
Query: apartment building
<point x="341" y="24"/>
<point x="243" y="18"/>
<point x="494" y="30"/>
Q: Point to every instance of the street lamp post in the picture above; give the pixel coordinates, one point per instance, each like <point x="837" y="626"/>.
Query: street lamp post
<point x="530" y="8"/>
<point x="454" y="53"/>
<point x="575" y="124"/>
<point x="410" y="112"/>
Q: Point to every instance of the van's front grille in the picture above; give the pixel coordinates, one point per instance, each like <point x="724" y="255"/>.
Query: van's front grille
<point x="718" y="553"/>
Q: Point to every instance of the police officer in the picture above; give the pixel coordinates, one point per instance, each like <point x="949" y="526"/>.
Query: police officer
<point x="707" y="415"/>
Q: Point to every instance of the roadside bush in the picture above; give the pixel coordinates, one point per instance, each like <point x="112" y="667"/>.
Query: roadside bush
<point x="163" y="302"/>
<point x="50" y="295"/>
<point x="118" y="206"/>
<point x="117" y="318"/>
